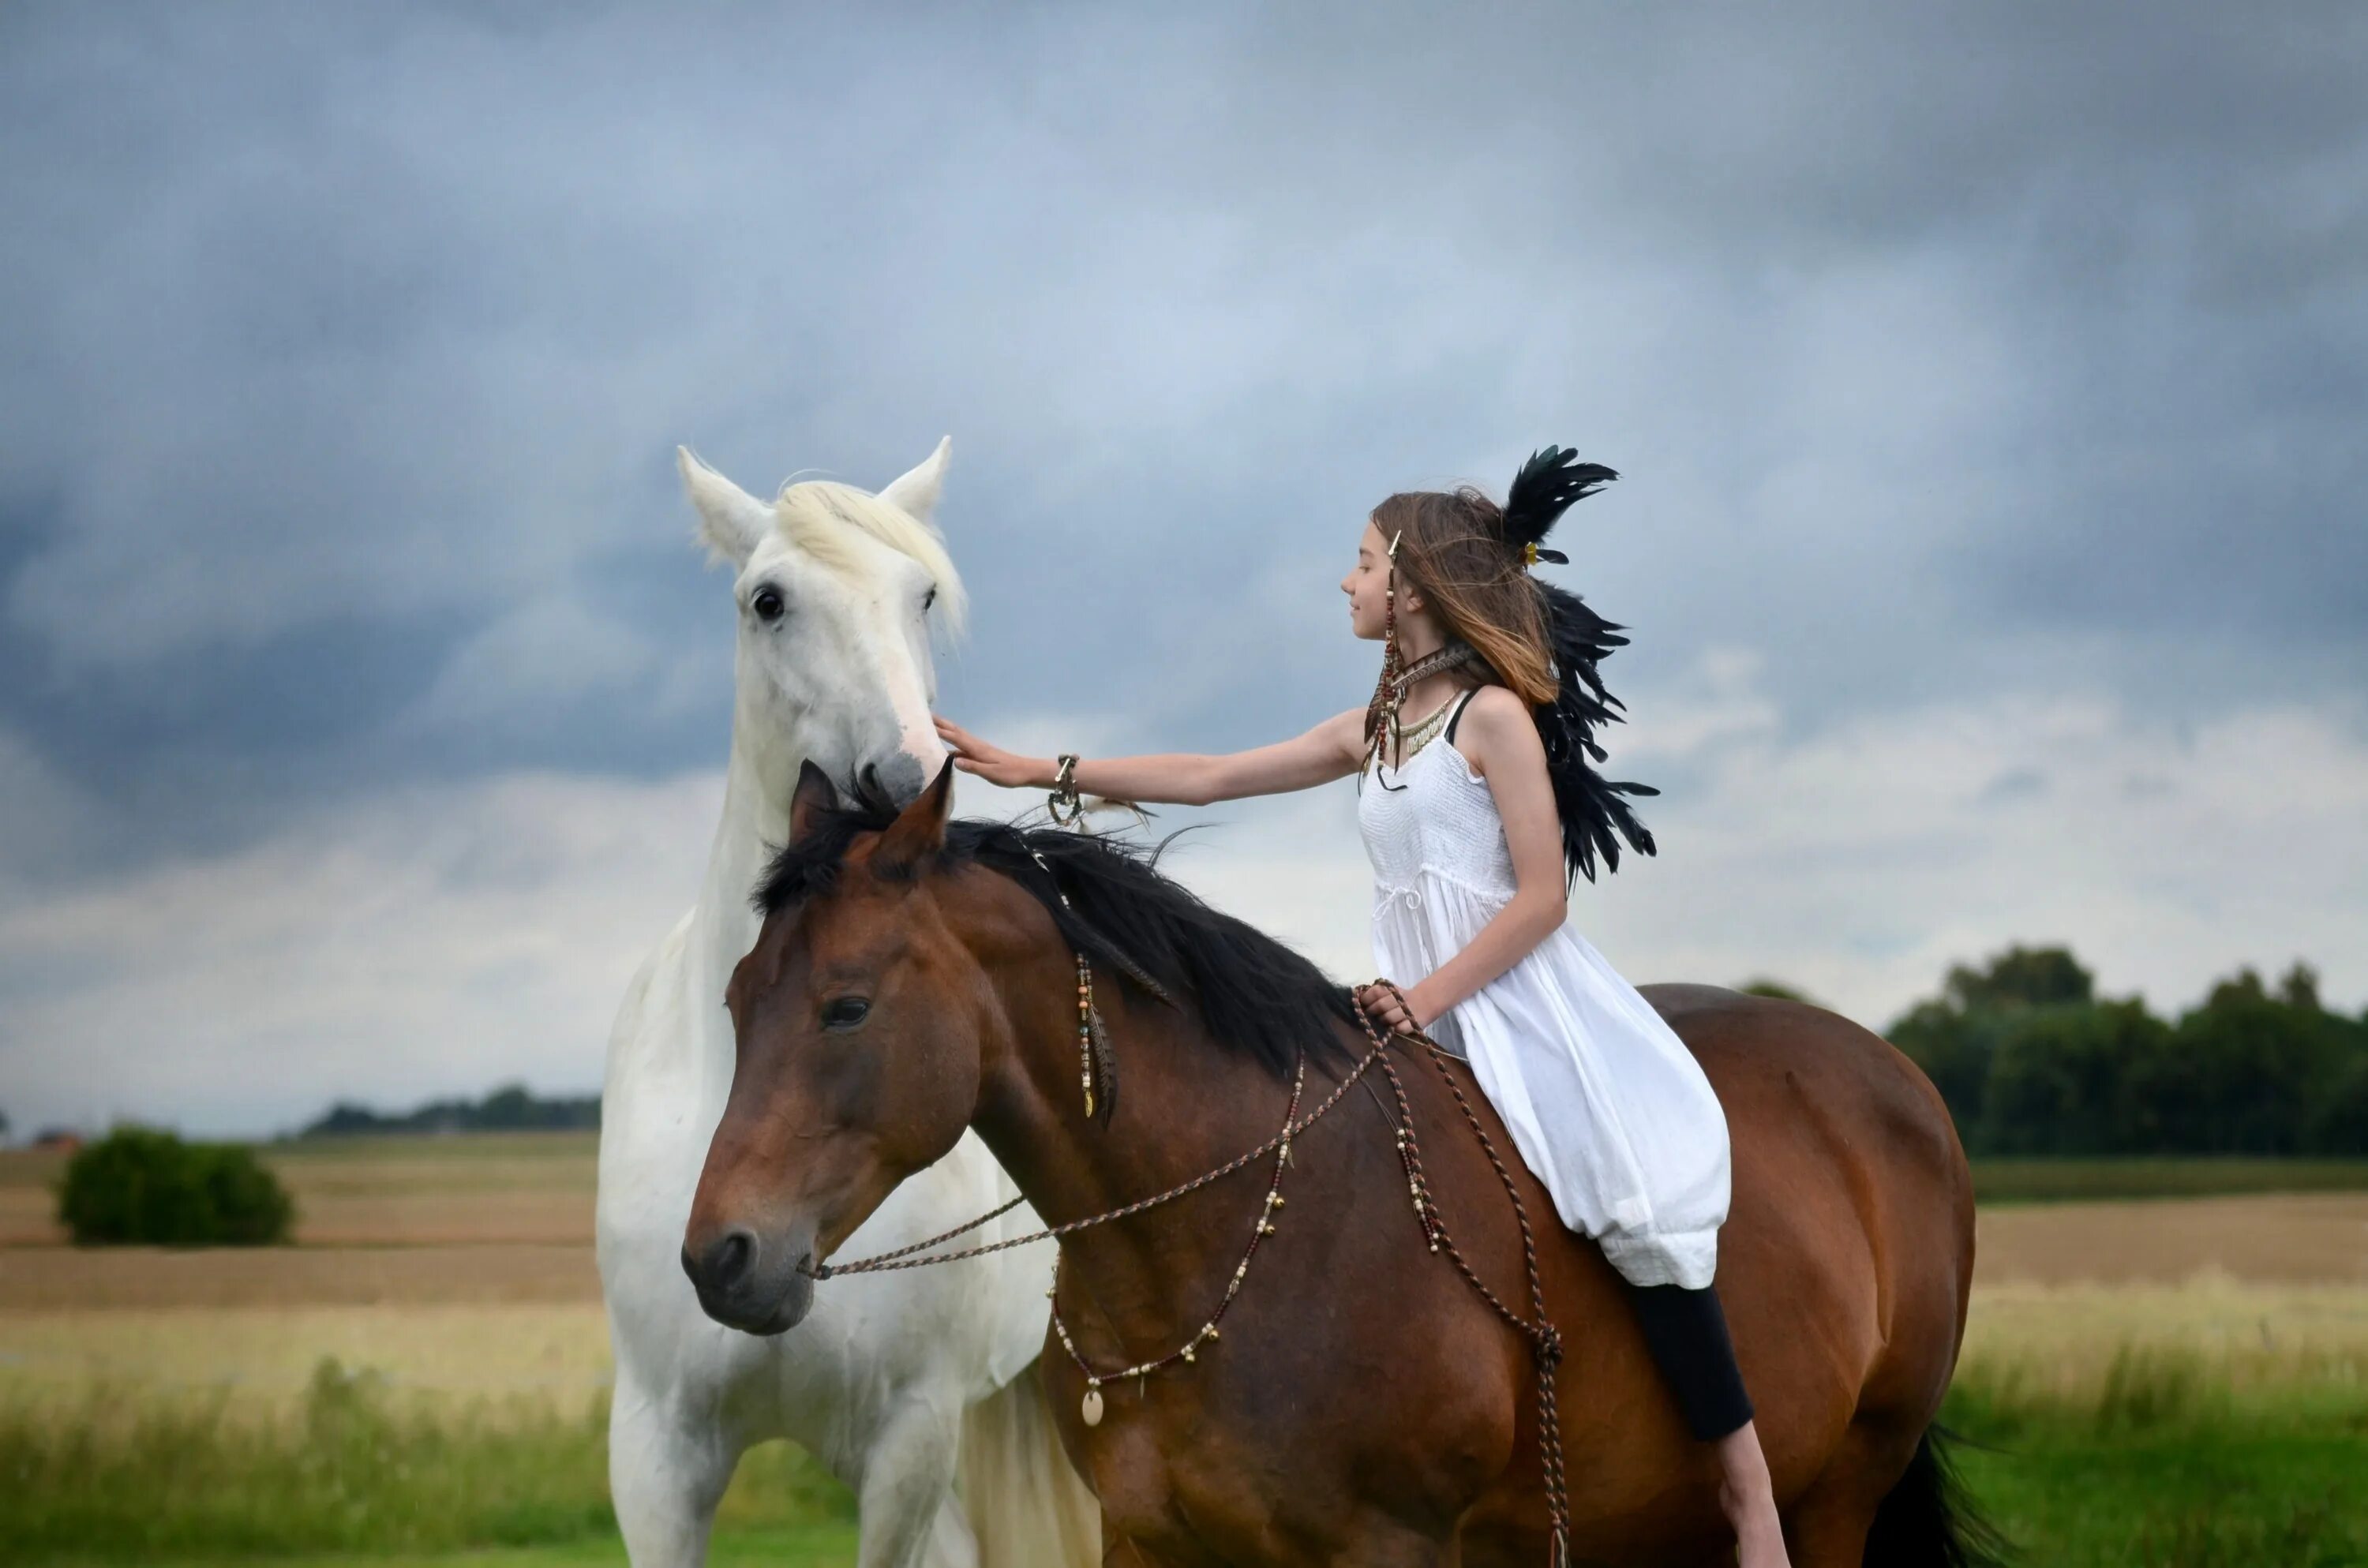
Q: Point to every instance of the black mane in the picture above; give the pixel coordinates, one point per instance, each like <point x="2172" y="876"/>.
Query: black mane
<point x="1254" y="995"/>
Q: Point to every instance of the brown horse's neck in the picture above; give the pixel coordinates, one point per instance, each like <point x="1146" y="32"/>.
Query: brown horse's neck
<point x="1184" y="1107"/>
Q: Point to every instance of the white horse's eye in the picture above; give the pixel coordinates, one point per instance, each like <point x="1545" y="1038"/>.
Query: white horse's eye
<point x="767" y="603"/>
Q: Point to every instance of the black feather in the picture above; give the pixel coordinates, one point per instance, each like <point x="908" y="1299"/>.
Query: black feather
<point x="1594" y="817"/>
<point x="1544" y="491"/>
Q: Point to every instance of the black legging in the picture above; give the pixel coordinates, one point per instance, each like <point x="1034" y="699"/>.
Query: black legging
<point x="1686" y="1332"/>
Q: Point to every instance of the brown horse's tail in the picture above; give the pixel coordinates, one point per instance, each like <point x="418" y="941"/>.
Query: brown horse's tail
<point x="1928" y="1520"/>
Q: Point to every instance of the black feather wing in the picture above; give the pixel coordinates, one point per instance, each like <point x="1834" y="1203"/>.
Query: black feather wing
<point x="1594" y="816"/>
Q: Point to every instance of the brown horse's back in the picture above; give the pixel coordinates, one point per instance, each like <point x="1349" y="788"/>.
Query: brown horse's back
<point x="1844" y="1152"/>
<point x="1844" y="1267"/>
<point x="1847" y="1258"/>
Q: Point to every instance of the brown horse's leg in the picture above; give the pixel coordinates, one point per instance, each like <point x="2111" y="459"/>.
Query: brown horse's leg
<point x="1828" y="1522"/>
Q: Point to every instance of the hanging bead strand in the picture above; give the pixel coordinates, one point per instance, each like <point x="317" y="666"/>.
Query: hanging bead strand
<point x="1090" y="1408"/>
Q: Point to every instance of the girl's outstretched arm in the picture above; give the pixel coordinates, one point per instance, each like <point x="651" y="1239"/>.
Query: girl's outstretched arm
<point x="1333" y="749"/>
<point x="1500" y="739"/>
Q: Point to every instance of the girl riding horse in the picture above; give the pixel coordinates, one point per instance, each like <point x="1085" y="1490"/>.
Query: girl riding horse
<point x="1480" y="817"/>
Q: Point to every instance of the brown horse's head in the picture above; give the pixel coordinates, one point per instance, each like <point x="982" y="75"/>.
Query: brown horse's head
<point x="908" y="968"/>
<point x="856" y="1061"/>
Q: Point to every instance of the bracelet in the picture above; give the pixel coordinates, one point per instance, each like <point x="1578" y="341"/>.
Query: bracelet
<point x="1064" y="798"/>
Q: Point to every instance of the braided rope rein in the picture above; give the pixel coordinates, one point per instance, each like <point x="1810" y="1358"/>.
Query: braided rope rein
<point x="1546" y="1340"/>
<point x="905" y="1257"/>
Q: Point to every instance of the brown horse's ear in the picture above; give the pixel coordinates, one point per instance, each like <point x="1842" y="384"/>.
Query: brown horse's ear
<point x="813" y="795"/>
<point x="920" y="828"/>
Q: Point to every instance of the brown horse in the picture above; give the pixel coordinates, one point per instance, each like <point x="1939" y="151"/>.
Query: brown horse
<point x="1362" y="1404"/>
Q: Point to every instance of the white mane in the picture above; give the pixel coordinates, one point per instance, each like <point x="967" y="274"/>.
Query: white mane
<point x="817" y="514"/>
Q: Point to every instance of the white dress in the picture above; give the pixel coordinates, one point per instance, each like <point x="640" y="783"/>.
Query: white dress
<point x="1605" y="1103"/>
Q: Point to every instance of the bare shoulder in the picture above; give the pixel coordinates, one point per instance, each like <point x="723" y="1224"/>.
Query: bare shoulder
<point x="1496" y="727"/>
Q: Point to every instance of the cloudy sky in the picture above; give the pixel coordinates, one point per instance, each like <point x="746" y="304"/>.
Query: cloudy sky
<point x="1987" y="387"/>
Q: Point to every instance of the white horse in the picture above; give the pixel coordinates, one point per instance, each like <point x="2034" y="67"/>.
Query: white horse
<point x="917" y="1389"/>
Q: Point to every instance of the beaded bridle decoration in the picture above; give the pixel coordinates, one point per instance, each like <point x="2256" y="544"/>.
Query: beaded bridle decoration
<point x="1546" y="1341"/>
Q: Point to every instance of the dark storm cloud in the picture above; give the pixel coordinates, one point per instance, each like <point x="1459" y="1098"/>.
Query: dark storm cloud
<point x="342" y="354"/>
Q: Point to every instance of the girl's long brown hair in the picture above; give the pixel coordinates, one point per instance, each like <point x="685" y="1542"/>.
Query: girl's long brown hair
<point x="1468" y="556"/>
<point x="1451" y="550"/>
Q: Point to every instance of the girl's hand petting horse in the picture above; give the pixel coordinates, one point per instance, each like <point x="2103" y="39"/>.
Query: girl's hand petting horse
<point x="990" y="762"/>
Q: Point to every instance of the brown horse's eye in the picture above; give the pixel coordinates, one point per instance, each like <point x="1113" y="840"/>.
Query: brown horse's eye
<point x="843" y="1012"/>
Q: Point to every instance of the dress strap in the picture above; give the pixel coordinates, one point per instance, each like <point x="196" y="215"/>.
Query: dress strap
<point x="1457" y="717"/>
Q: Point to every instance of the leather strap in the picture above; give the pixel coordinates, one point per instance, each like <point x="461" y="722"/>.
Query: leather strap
<point x="1457" y="717"/>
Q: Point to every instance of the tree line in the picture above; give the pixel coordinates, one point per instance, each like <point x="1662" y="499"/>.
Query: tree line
<point x="513" y="1107"/>
<point x="2031" y="1061"/>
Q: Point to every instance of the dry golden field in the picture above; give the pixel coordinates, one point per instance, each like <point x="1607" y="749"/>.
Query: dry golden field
<point x="2174" y="1380"/>
<point x="463" y="1265"/>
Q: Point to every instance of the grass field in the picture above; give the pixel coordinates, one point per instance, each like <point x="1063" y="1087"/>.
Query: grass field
<point x="2177" y="1382"/>
<point x="1997" y="1182"/>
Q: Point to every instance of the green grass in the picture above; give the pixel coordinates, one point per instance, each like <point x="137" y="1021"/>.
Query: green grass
<point x="353" y="1470"/>
<point x="788" y="1546"/>
<point x="2164" y="1462"/>
<point x="2182" y="1499"/>
<point x="2148" y="1454"/>
<point x="1997" y="1181"/>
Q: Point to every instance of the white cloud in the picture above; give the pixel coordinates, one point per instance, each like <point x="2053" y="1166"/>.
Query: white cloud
<point x="436" y="941"/>
<point x="1860" y="863"/>
<point x="445" y="938"/>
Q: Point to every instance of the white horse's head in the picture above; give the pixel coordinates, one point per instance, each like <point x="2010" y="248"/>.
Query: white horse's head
<point x="834" y="594"/>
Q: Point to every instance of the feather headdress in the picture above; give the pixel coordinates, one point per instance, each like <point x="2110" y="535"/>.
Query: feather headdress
<point x="1594" y="816"/>
<point x="1541" y="492"/>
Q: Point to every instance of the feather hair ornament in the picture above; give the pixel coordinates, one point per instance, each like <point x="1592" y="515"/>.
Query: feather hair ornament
<point x="1594" y="816"/>
<point x="1541" y="492"/>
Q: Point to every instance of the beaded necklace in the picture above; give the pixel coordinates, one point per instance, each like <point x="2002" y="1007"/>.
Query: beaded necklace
<point x="1415" y="737"/>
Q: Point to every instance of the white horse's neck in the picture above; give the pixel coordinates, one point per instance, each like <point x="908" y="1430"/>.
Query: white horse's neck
<point x="756" y="822"/>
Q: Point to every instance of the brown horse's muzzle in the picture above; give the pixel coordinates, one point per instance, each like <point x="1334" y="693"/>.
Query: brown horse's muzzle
<point x="750" y="1281"/>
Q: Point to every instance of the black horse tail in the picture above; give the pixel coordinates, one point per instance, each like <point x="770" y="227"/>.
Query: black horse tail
<point x="1928" y="1520"/>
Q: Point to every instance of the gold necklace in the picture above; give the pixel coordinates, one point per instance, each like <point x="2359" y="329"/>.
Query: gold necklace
<point x="1410" y="741"/>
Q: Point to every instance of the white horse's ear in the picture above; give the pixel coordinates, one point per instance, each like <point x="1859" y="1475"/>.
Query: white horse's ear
<point x="731" y="521"/>
<point x="914" y="492"/>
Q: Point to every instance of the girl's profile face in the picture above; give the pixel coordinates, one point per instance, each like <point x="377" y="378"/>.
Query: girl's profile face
<point x="1367" y="586"/>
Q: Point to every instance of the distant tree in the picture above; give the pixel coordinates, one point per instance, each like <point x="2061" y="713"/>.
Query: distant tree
<point x="507" y="1109"/>
<point x="510" y="1108"/>
<point x="2299" y="989"/>
<point x="2030" y="977"/>
<point x="345" y="1118"/>
<point x="2243" y="1073"/>
<point x="1954" y="1049"/>
<point x="4" y="1127"/>
<point x="2338" y="1124"/>
<point x="1956" y="1036"/>
<point x="144" y="1186"/>
<point x="2062" y="1079"/>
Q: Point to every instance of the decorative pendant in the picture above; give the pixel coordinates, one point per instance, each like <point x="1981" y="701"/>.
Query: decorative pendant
<point x="1092" y="1407"/>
